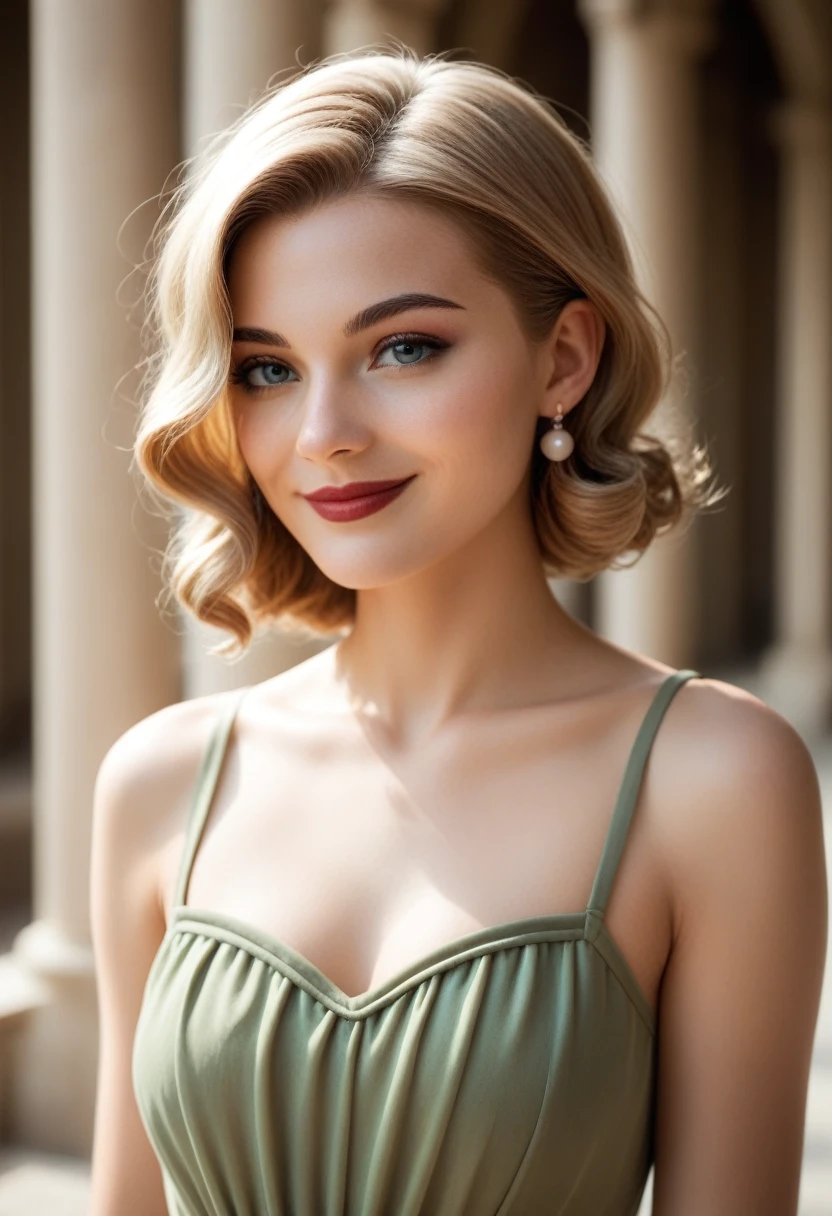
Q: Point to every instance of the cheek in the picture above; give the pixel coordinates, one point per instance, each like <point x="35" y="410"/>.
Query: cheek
<point x="259" y="438"/>
<point x="485" y="418"/>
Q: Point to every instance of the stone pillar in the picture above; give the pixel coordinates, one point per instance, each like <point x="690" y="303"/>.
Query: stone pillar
<point x="797" y="671"/>
<point x="15" y="471"/>
<point x="231" y="53"/>
<point x="490" y="28"/>
<point x="644" y="138"/>
<point x="104" y="127"/>
<point x="357" y="23"/>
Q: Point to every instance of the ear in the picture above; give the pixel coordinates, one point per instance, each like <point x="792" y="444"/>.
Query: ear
<point x="570" y="356"/>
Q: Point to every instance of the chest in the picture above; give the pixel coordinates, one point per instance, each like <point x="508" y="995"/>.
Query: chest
<point x="365" y="863"/>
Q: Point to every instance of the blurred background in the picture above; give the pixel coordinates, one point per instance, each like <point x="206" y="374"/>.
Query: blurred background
<point x="710" y="123"/>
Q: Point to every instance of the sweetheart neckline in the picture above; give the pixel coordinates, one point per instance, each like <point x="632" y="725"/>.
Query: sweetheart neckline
<point x="587" y="924"/>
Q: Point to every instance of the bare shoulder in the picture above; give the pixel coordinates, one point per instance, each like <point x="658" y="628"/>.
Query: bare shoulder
<point x="141" y="782"/>
<point x="147" y="775"/>
<point x="742" y="796"/>
<point x="150" y="768"/>
<point x="742" y="839"/>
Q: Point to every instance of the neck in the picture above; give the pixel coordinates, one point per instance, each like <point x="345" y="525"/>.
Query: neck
<point x="478" y="632"/>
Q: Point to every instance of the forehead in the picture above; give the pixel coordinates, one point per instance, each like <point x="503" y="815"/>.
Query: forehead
<point x="359" y="245"/>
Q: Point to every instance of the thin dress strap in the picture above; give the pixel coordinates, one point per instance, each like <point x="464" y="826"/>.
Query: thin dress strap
<point x="629" y="790"/>
<point x="206" y="782"/>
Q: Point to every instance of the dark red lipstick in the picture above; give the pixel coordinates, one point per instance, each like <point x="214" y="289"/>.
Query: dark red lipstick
<point x="356" y="499"/>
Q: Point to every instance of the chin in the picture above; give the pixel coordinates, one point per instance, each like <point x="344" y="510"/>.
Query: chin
<point x="361" y="569"/>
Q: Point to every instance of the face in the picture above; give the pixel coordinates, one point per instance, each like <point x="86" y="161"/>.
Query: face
<point x="445" y="393"/>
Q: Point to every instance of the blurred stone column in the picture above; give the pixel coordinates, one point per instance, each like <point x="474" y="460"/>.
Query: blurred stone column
<point x="644" y="124"/>
<point x="490" y="29"/>
<point x="797" y="671"/>
<point x="231" y="53"/>
<point x="15" y="472"/>
<point x="104" y="138"/>
<point x="352" y="24"/>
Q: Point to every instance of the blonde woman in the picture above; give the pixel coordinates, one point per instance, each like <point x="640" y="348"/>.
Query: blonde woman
<point x="473" y="912"/>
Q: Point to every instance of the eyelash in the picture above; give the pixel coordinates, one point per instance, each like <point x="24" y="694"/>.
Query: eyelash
<point x="238" y="374"/>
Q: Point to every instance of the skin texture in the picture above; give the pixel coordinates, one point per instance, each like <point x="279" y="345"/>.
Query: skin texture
<point x="454" y="762"/>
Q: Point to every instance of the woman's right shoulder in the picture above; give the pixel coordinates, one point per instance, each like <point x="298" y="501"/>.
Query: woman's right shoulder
<point x="146" y="776"/>
<point x="141" y="790"/>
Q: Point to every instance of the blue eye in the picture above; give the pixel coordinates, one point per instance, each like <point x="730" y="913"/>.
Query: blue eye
<point x="408" y="350"/>
<point x="240" y="375"/>
<point x="408" y="347"/>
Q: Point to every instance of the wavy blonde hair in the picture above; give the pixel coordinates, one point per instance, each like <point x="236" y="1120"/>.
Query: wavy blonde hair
<point x="495" y="157"/>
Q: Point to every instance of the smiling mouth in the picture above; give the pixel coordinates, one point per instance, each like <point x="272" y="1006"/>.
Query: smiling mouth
<point x="355" y="489"/>
<point x="351" y="507"/>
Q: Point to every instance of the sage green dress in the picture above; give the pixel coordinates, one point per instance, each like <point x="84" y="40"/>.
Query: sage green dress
<point x="511" y="1070"/>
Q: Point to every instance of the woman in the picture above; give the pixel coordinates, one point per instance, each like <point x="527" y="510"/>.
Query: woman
<point x="368" y="936"/>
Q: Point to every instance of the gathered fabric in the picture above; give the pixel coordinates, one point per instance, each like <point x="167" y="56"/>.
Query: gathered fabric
<point x="511" y="1070"/>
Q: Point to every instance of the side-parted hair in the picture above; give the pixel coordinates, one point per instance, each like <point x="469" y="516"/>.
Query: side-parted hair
<point x="495" y="157"/>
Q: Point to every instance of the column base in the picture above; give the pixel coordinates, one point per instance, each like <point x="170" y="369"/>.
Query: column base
<point x="797" y="682"/>
<point x="53" y="1051"/>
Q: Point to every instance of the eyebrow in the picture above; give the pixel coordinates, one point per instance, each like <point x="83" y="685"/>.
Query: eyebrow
<point x="361" y="321"/>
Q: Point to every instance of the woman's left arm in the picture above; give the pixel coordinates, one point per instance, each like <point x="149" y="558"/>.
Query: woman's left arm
<point x="741" y="990"/>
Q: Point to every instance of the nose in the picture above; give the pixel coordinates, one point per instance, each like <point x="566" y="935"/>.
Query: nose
<point x="331" y="421"/>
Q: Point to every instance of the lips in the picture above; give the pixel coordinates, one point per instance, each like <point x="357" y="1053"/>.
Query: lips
<point x="354" y="489"/>
<point x="354" y="507"/>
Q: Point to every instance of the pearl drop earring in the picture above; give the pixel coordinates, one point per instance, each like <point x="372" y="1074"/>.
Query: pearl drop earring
<point x="557" y="444"/>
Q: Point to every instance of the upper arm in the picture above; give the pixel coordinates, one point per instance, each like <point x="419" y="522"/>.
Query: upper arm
<point x="135" y="781"/>
<point x="741" y="989"/>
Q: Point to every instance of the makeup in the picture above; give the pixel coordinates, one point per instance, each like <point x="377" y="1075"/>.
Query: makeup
<point x="338" y="505"/>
